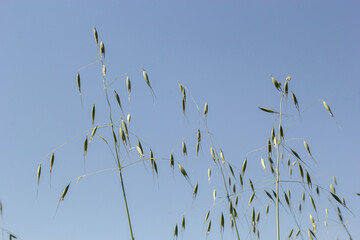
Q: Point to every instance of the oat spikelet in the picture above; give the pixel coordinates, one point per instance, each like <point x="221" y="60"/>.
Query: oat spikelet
<point x="63" y="195"/>
<point x="206" y="109"/>
<point x="307" y="148"/>
<point x="251" y="199"/>
<point x="38" y="178"/>
<point x="52" y="158"/>
<point x="102" y="49"/>
<point x="96" y="36"/>
<point x="184" y="173"/>
<point x="195" y="190"/>
<point x="118" y="101"/>
<point x="328" y="108"/>
<point x="78" y="82"/>
<point x="93" y="114"/>
<point x="184" y="148"/>
<point x="243" y="169"/>
<point x="276" y="84"/>
<point x="148" y="82"/>
<point x="263" y="164"/>
<point x="267" y="110"/>
<point x="128" y="85"/>
<point x="93" y="133"/>
<point x="171" y="161"/>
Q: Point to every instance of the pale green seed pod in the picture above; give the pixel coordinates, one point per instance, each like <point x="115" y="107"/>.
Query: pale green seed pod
<point x="93" y="133"/>
<point x="64" y="192"/>
<point x="78" y="82"/>
<point x="52" y="158"/>
<point x="128" y="85"/>
<point x="38" y="174"/>
<point x="102" y="49"/>
<point x="184" y="149"/>
<point x="96" y="36"/>
<point x="104" y="70"/>
<point x="85" y="146"/>
<point x="171" y="161"/>
<point x="93" y="114"/>
<point x="206" y="108"/>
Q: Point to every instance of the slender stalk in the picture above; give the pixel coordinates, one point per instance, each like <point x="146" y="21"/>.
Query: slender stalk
<point x="117" y="156"/>
<point x="126" y="205"/>
<point x="278" y="141"/>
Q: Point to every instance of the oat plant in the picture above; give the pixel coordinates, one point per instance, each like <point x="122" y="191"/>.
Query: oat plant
<point x="248" y="201"/>
<point x="296" y="194"/>
<point x="117" y="133"/>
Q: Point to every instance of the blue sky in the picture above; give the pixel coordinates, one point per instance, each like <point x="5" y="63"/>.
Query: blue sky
<point x="224" y="52"/>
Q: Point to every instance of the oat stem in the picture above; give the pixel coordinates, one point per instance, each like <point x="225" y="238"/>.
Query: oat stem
<point x="278" y="174"/>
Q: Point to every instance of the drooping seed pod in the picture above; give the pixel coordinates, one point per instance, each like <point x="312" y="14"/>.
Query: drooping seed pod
<point x="140" y="149"/>
<point x="251" y="198"/>
<point x="276" y="84"/>
<point x="197" y="148"/>
<point x="263" y="164"/>
<point x="176" y="231"/>
<point x="307" y="148"/>
<point x="85" y="146"/>
<point x="93" y="114"/>
<point x="212" y="152"/>
<point x="208" y="228"/>
<point x="243" y="169"/>
<point x="328" y="108"/>
<point x="206" y="108"/>
<point x="118" y="101"/>
<point x="122" y="135"/>
<point x="207" y="216"/>
<point x="146" y="78"/>
<point x="78" y="82"/>
<point x="222" y="222"/>
<point x="128" y="85"/>
<point x="296" y="103"/>
<point x="125" y="128"/>
<point x="183" y="223"/>
<point x="104" y="70"/>
<point x="102" y="49"/>
<point x="171" y="161"/>
<point x="38" y="175"/>
<point x="183" y="172"/>
<point x="52" y="158"/>
<point x="93" y="133"/>
<point x="64" y="192"/>
<point x="184" y="148"/>
<point x="195" y="190"/>
<point x="96" y="36"/>
<point x="209" y="174"/>
<point x="222" y="157"/>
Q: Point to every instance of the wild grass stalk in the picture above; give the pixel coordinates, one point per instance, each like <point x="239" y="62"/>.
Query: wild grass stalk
<point x="233" y="187"/>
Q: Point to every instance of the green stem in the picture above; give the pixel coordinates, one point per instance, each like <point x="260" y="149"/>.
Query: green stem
<point x="278" y="141"/>
<point x="117" y="156"/>
<point x="126" y="205"/>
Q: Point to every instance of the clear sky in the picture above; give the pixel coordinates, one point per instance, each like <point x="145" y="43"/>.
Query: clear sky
<point x="225" y="53"/>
